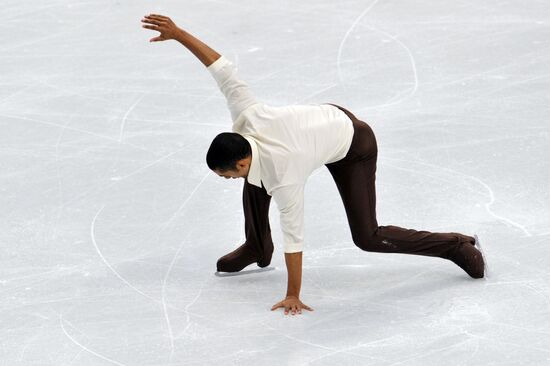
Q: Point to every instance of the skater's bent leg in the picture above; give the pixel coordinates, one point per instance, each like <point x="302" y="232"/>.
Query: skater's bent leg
<point x="356" y="185"/>
<point x="258" y="246"/>
<point x="256" y="203"/>
<point x="354" y="176"/>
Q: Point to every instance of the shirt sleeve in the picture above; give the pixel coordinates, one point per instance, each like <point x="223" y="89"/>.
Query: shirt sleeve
<point x="290" y="202"/>
<point x="236" y="92"/>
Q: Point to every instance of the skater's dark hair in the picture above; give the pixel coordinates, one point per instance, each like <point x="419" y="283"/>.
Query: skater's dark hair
<point x="225" y="150"/>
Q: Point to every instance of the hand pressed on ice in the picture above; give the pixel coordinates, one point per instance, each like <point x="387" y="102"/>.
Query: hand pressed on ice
<point x="163" y="24"/>
<point x="291" y="303"/>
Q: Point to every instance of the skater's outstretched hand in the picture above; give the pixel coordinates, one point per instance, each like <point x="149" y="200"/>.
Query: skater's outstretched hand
<point x="163" y="24"/>
<point x="291" y="303"/>
<point x="169" y="30"/>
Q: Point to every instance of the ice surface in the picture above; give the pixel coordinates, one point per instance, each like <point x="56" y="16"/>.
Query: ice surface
<point x="112" y="222"/>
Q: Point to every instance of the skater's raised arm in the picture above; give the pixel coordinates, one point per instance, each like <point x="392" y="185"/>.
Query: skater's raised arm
<point x="169" y="30"/>
<point x="238" y="95"/>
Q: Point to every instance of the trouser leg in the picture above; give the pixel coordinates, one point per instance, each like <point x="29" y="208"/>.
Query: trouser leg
<point x="256" y="203"/>
<point x="258" y="246"/>
<point x="354" y="176"/>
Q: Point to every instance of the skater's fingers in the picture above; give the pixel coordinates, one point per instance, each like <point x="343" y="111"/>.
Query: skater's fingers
<point x="153" y="21"/>
<point x="160" y="16"/>
<point x="163" y="20"/>
<point x="291" y="306"/>
<point x="156" y="16"/>
<point x="152" y="27"/>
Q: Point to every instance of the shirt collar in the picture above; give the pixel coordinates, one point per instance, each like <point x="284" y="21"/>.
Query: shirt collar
<point x="255" y="165"/>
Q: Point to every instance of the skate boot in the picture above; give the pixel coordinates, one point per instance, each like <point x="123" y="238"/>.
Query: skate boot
<point x="467" y="257"/>
<point x="242" y="257"/>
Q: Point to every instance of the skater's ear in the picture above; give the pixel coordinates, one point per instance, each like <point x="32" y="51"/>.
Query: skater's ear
<point x="243" y="163"/>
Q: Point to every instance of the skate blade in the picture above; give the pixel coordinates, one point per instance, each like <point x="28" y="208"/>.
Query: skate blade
<point x="249" y="271"/>
<point x="487" y="273"/>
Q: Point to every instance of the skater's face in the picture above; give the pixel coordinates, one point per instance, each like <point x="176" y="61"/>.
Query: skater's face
<point x="240" y="170"/>
<point x="228" y="174"/>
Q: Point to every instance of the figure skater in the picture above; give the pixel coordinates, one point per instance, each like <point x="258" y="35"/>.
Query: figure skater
<point x="275" y="149"/>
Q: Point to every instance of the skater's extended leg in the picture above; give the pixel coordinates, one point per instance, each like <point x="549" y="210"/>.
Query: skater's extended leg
<point x="355" y="179"/>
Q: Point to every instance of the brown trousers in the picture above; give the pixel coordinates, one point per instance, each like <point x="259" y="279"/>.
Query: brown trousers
<point x="355" y="179"/>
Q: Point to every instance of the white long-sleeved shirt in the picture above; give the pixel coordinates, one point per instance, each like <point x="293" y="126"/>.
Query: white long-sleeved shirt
<point x="288" y="144"/>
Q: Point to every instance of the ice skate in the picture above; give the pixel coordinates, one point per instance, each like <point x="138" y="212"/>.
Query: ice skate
<point x="469" y="258"/>
<point x="245" y="272"/>
<point x="241" y="257"/>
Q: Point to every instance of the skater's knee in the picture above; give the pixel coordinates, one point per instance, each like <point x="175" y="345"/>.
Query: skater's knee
<point x="365" y="242"/>
<point x="373" y="242"/>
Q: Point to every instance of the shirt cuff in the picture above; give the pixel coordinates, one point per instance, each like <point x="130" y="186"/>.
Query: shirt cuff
<point x="294" y="248"/>
<point x="218" y="64"/>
